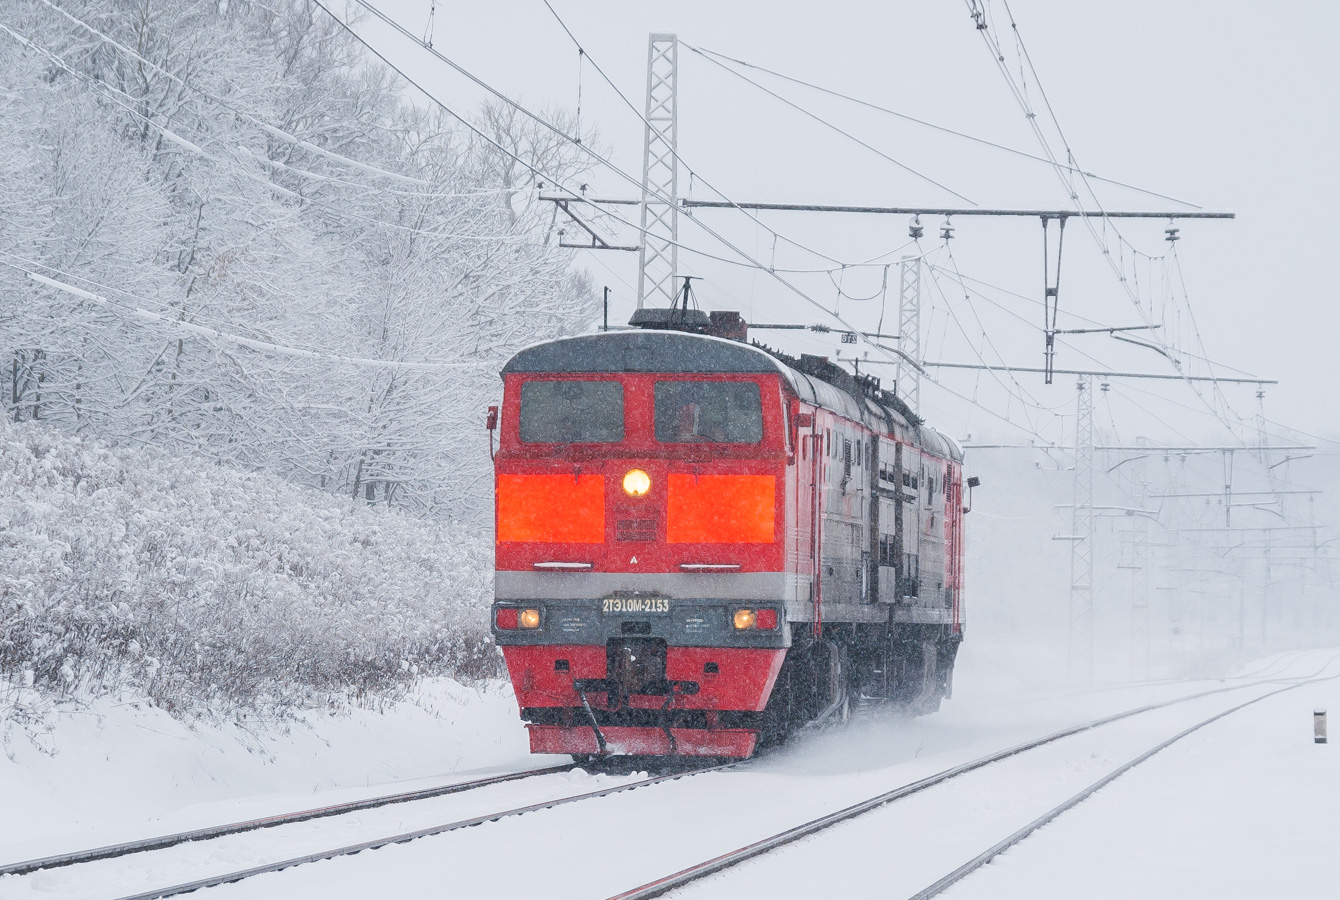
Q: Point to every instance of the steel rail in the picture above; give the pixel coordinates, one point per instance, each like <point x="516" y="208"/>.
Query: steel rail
<point x="986" y="856"/>
<point x="378" y="843"/>
<point x="710" y="867"/>
<point x="171" y="840"/>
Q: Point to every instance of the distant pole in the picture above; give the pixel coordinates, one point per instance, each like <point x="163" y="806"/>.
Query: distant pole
<point x="606" y="326"/>
<point x="1140" y="665"/>
<point x="1080" y="651"/>
<point x="1265" y="593"/>
<point x="1242" y="613"/>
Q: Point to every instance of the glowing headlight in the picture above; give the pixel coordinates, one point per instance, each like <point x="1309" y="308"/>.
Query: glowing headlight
<point x="744" y="619"/>
<point x="636" y="483"/>
<point x="529" y="618"/>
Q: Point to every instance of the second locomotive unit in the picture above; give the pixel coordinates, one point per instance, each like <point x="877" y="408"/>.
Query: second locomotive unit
<point x="703" y="543"/>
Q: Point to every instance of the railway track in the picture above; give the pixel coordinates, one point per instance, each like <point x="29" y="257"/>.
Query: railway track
<point x="160" y="842"/>
<point x="376" y="843"/>
<point x="652" y="889"/>
<point x="163" y="842"/>
<point x="683" y="877"/>
<point x="1000" y="847"/>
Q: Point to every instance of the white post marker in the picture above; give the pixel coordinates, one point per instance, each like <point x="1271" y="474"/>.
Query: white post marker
<point x="1319" y="726"/>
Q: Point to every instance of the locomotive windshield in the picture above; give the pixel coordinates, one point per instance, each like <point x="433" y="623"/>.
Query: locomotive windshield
<point x="568" y="412"/>
<point x="723" y="412"/>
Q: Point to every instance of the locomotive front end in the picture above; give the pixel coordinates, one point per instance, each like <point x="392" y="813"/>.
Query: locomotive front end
<point x="640" y="506"/>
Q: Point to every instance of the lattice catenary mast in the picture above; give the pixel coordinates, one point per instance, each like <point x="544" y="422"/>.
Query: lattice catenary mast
<point x="908" y="376"/>
<point x="658" y="261"/>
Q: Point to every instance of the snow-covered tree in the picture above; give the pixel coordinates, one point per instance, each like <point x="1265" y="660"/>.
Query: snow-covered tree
<point x="225" y="177"/>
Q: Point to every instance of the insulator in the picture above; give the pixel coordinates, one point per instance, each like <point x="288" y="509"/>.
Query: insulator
<point x="915" y="229"/>
<point x="946" y="230"/>
<point x="1171" y="234"/>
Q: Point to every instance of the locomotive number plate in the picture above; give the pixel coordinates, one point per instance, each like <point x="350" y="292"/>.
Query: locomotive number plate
<point x="651" y="605"/>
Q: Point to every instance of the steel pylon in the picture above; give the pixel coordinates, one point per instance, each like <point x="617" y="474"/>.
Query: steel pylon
<point x="908" y="379"/>
<point x="658" y="260"/>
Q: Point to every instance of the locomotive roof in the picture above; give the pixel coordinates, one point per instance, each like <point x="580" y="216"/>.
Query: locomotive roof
<point x="647" y="351"/>
<point x="642" y="351"/>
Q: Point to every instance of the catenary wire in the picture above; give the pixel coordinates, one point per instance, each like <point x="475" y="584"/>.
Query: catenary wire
<point x="882" y="109"/>
<point x="1065" y="176"/>
<point x="538" y="119"/>
<point x="558" y="132"/>
<point x="269" y="129"/>
<point x="827" y="124"/>
<point x="145" y="315"/>
<point x="191" y="147"/>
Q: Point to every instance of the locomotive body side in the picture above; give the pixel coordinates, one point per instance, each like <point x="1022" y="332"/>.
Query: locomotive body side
<point x="690" y="553"/>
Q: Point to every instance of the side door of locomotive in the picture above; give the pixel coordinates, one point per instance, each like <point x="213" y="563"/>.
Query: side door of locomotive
<point x="809" y="475"/>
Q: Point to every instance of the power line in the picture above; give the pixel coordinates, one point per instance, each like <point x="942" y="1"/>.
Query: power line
<point x="539" y="120"/>
<point x="447" y="109"/>
<point x="270" y="129"/>
<point x="179" y="326"/>
<point x="1073" y="315"/>
<point x="950" y="212"/>
<point x="1103" y="374"/>
<point x="1020" y="391"/>
<point x="1065" y="174"/>
<point x="124" y="100"/>
<point x="1188" y="449"/>
<point x="923" y="122"/>
<point x="514" y="104"/>
<point x="674" y="151"/>
<point x="822" y="121"/>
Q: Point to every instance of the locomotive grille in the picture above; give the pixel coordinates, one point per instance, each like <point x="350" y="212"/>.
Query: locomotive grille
<point x="635" y="529"/>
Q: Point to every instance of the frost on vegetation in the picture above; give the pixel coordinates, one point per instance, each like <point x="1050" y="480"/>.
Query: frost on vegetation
<point x="216" y="592"/>
<point x="248" y="170"/>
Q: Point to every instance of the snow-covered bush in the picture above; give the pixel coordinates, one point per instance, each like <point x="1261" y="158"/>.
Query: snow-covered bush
<point x="217" y="591"/>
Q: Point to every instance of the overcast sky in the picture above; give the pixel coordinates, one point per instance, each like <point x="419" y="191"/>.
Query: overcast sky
<point x="1228" y="105"/>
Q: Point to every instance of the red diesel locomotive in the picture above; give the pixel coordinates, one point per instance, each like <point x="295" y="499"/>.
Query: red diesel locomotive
<point x="703" y="543"/>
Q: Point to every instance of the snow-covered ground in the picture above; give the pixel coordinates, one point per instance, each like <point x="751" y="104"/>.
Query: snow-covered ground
<point x="1247" y="807"/>
<point x="121" y="770"/>
<point x="1246" y="795"/>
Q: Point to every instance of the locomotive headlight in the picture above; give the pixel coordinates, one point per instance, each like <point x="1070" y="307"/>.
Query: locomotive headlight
<point x="528" y="618"/>
<point x="636" y="483"/>
<point x="744" y="619"/>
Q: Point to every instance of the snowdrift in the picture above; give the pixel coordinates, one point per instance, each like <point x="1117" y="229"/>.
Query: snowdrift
<point x="214" y="591"/>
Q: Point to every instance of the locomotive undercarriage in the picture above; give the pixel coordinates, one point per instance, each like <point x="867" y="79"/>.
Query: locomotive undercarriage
<point x="634" y="707"/>
<point x="822" y="678"/>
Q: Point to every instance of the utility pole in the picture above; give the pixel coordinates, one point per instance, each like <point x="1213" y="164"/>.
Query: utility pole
<point x="1265" y="592"/>
<point x="658" y="260"/>
<point x="1080" y="655"/>
<point x="1139" y="565"/>
<point x="909" y="331"/>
